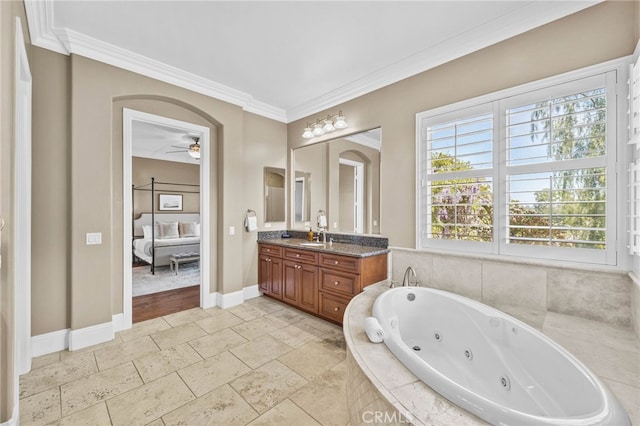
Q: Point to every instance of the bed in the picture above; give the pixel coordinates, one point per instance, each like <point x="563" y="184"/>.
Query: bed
<point x="185" y="238"/>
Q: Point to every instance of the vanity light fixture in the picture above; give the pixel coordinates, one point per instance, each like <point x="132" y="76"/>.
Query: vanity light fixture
<point x="328" y="125"/>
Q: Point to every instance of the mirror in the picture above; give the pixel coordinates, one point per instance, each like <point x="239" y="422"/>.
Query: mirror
<point x="274" y="190"/>
<point x="341" y="177"/>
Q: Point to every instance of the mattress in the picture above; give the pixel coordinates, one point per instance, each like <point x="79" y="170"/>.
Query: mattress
<point x="144" y="246"/>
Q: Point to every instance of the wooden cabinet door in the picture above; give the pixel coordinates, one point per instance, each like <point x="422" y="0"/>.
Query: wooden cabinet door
<point x="264" y="273"/>
<point x="276" y="278"/>
<point x="289" y="281"/>
<point x="308" y="288"/>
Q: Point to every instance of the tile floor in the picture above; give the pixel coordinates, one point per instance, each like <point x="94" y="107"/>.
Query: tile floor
<point x="260" y="363"/>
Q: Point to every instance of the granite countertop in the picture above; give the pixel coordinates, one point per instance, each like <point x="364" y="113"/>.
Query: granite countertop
<point x="344" y="249"/>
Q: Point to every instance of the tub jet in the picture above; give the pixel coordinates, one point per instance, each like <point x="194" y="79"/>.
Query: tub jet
<point x="416" y="348"/>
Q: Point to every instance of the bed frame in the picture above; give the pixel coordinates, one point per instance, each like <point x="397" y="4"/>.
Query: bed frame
<point x="160" y="255"/>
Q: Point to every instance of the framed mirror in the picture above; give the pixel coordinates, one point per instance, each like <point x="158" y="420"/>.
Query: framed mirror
<point x="341" y="177"/>
<point x="274" y="194"/>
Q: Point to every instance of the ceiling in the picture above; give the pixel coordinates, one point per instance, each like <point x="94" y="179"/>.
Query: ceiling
<point x="150" y="140"/>
<point x="283" y="60"/>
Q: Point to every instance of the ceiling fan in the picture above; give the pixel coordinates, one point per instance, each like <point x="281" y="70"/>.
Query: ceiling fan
<point x="193" y="150"/>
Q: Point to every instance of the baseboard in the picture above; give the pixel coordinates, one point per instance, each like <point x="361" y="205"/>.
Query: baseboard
<point x="90" y="336"/>
<point x="251" y="292"/>
<point x="117" y="321"/>
<point x="210" y="300"/>
<point x="229" y="300"/>
<point x="47" y="343"/>
<point x="15" y="418"/>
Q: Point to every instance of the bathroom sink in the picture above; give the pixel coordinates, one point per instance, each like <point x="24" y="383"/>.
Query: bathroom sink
<point x="312" y="244"/>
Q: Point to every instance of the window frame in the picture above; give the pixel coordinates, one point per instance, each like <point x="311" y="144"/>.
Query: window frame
<point x="608" y="75"/>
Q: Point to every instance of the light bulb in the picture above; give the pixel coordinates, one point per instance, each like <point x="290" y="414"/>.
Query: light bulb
<point x="307" y="133"/>
<point x="340" y="123"/>
<point x="194" y="154"/>
<point x="317" y="130"/>
<point x="328" y="126"/>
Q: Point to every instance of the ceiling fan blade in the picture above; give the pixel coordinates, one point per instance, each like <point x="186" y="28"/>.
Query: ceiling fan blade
<point x="181" y="147"/>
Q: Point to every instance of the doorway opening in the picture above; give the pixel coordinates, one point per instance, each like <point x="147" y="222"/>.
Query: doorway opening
<point x="166" y="216"/>
<point x="352" y="195"/>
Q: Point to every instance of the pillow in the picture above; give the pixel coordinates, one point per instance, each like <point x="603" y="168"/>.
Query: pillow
<point x="146" y="229"/>
<point x="188" y="229"/>
<point x="168" y="230"/>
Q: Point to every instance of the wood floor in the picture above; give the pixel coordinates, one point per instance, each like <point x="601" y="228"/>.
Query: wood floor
<point x="167" y="302"/>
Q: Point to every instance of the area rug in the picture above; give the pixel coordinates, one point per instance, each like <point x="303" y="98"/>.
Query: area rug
<point x="164" y="279"/>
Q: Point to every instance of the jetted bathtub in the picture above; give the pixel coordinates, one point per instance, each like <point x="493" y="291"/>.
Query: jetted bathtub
<point x="491" y="364"/>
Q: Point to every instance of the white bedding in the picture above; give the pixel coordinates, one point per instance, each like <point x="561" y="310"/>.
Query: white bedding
<point x="143" y="246"/>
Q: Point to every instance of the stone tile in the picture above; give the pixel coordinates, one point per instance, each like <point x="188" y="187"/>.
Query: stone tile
<point x="41" y="408"/>
<point x="629" y="397"/>
<point x="45" y="360"/>
<point x="159" y="364"/>
<point x="595" y="296"/>
<point x="530" y="316"/>
<point x="87" y="391"/>
<point x="183" y="317"/>
<point x="260" y="351"/>
<point x="157" y="422"/>
<point x="56" y="374"/>
<point x="288" y="315"/>
<point x="334" y="341"/>
<point x="149" y="402"/>
<point x="614" y="364"/>
<point x="384" y="365"/>
<point x="458" y="275"/>
<point x="594" y="331"/>
<point x="311" y="360"/>
<point x="266" y="386"/>
<point x="222" y="406"/>
<point x="430" y="408"/>
<point x="124" y="352"/>
<point x="213" y="372"/>
<point x="266" y="305"/>
<point x="421" y="262"/>
<point x="246" y="312"/>
<point x="219" y="321"/>
<point x="255" y="328"/>
<point x="285" y="413"/>
<point x="144" y="328"/>
<point x="96" y="415"/>
<point x="295" y="335"/>
<point x="320" y="325"/>
<point x="64" y="355"/>
<point x="513" y="285"/>
<point x="177" y="335"/>
<point x="318" y="397"/>
<point x="212" y="344"/>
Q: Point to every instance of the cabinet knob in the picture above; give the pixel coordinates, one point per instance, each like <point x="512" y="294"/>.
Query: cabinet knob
<point x="297" y="255"/>
<point x="336" y="309"/>
<point x="336" y="262"/>
<point x="336" y="282"/>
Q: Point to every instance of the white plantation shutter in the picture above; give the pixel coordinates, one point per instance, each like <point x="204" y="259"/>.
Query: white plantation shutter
<point x="634" y="168"/>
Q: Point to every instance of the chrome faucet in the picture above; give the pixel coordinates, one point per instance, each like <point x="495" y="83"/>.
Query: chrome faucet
<point x="405" y="280"/>
<point x="324" y="235"/>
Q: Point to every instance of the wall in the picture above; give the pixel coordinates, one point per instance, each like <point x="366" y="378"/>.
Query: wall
<point x="9" y="10"/>
<point x="313" y="162"/>
<point x="600" y="33"/>
<point x="143" y="169"/>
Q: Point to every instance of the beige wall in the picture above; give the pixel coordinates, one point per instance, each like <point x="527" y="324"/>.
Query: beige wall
<point x="595" y="35"/>
<point x="143" y="169"/>
<point x="9" y="10"/>
<point x="265" y="145"/>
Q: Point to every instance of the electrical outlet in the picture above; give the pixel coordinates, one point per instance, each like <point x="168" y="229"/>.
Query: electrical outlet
<point x="94" y="238"/>
<point x="232" y="230"/>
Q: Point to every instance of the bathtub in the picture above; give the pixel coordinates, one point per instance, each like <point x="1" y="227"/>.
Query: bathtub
<point x="491" y="364"/>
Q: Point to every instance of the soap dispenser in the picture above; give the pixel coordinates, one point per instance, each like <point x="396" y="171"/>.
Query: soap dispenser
<point x="310" y="235"/>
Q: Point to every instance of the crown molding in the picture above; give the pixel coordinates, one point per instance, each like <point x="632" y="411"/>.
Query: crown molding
<point x="45" y="35"/>
<point x="65" y="41"/>
<point x="519" y="21"/>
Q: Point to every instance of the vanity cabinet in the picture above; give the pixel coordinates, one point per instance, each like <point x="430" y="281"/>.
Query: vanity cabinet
<point x="317" y="282"/>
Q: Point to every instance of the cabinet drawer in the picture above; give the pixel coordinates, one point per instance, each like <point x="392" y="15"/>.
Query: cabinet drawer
<point x="301" y="255"/>
<point x="333" y="307"/>
<point x="343" y="263"/>
<point x="270" y="250"/>
<point x="340" y="282"/>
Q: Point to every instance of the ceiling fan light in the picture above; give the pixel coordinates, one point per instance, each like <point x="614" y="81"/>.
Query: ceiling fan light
<point x="340" y="123"/>
<point x="194" y="154"/>
<point x="307" y="133"/>
<point x="317" y="130"/>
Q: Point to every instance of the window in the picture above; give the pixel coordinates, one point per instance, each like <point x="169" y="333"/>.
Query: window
<point x="531" y="174"/>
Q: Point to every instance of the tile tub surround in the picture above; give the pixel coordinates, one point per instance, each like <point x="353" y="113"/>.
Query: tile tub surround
<point x="597" y="295"/>
<point x="258" y="363"/>
<point x="378" y="383"/>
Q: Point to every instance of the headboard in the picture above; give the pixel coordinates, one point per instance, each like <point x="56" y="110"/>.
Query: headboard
<point x="145" y="219"/>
